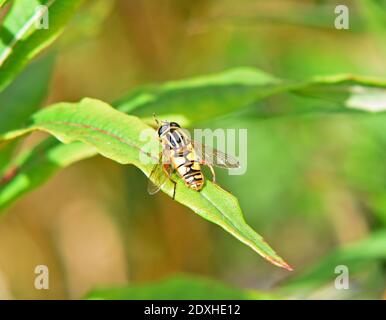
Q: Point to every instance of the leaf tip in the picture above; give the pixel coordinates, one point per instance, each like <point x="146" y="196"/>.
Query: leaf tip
<point x="280" y="263"/>
<point x="287" y="266"/>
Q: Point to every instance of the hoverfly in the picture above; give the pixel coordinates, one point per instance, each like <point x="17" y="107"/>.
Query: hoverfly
<point x="186" y="157"/>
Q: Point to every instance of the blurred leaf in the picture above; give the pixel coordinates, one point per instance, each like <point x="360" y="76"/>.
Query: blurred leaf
<point x="21" y="99"/>
<point x="345" y="90"/>
<point x="35" y="166"/>
<point x="202" y="98"/>
<point x="370" y="99"/>
<point x="3" y="2"/>
<point x="20" y="40"/>
<point x="32" y="167"/>
<point x="355" y="256"/>
<point x="182" y="287"/>
<point x="116" y="136"/>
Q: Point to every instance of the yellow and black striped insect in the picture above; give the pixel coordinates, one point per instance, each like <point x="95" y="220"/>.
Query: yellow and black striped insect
<point x="184" y="156"/>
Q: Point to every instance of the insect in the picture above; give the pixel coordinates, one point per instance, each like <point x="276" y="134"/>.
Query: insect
<point x="186" y="157"/>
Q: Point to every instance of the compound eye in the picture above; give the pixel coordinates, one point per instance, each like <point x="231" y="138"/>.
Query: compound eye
<point x="174" y="124"/>
<point x="162" y="129"/>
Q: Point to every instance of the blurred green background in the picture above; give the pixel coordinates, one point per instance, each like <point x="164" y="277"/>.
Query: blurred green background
<point x="315" y="184"/>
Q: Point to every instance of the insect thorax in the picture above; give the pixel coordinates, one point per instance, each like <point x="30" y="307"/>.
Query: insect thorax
<point x="174" y="139"/>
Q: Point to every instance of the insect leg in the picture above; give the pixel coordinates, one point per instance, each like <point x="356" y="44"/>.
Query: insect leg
<point x="174" y="189"/>
<point x="213" y="173"/>
<point x="168" y="170"/>
<point x="204" y="163"/>
<point x="165" y="168"/>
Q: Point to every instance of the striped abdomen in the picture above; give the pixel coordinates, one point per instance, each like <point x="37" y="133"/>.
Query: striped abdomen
<point x="188" y="168"/>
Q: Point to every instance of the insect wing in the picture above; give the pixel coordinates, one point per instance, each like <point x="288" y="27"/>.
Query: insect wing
<point x="157" y="178"/>
<point x="159" y="175"/>
<point x="211" y="156"/>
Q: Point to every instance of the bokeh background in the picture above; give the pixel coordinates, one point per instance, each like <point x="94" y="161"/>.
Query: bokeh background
<point x="315" y="182"/>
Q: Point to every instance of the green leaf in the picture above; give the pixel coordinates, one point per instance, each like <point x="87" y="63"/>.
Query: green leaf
<point x="346" y="93"/>
<point x="116" y="136"/>
<point x="33" y="167"/>
<point x="180" y="287"/>
<point x="3" y="2"/>
<point x="203" y="98"/>
<point x="192" y="100"/>
<point x="206" y="97"/>
<point x="21" y="99"/>
<point x="21" y="40"/>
